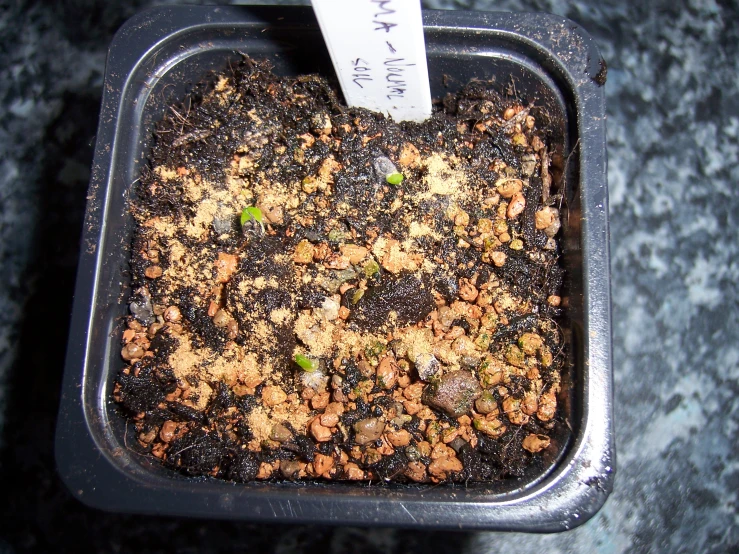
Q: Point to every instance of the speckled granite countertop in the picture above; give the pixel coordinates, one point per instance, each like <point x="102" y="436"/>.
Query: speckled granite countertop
<point x="673" y="126"/>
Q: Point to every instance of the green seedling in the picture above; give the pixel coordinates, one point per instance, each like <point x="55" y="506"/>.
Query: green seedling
<point x="357" y="296"/>
<point x="371" y="269"/>
<point x="306" y="363"/>
<point x="394" y="178"/>
<point x="252" y="213"/>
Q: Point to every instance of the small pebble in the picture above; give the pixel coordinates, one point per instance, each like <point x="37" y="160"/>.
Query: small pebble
<point x="319" y="432"/>
<point x="427" y="366"/>
<point x="553" y="229"/>
<point x="355" y="253"/>
<point x="336" y="261"/>
<point x="491" y="201"/>
<point x="321" y="123"/>
<point x="280" y="433"/>
<point x="442" y="467"/>
<point x="309" y="185"/>
<point x="464" y="346"/>
<point x="512" y="409"/>
<point x="353" y="472"/>
<point x="274" y="214"/>
<point x="330" y="309"/>
<point x="303" y="252"/>
<point x="321" y="251"/>
<point x="221" y="318"/>
<point x="148" y="436"/>
<point x="528" y="164"/>
<point x="412" y="453"/>
<point x="498" y="258"/>
<point x="515" y="356"/>
<point x="329" y="420"/>
<point x="141" y="309"/>
<point x="516" y="206"/>
<point x="484" y="225"/>
<point x="398" y="438"/>
<point x="387" y="372"/>
<point x="172" y="314"/>
<point x="454" y="333"/>
<point x="507" y="188"/>
<point x="223" y="224"/>
<point x="545" y="217"/>
<point x="547" y="406"/>
<point x="530" y="403"/>
<point x="491" y="427"/>
<point x="167" y="431"/>
<point x="535" y="443"/>
<point x="290" y="469"/>
<point x="225" y="267"/>
<point x="322" y="463"/>
<point x="530" y="343"/>
<point x="132" y="351"/>
<point x="383" y="167"/>
<point x="409" y="155"/>
<point x="320" y="401"/>
<point x="519" y="139"/>
<point x="273" y="395"/>
<point x="368" y="430"/>
<point x="500" y="226"/>
<point x="457" y="444"/>
<point x="462" y="218"/>
<point x="486" y="403"/>
<point x="454" y="393"/>
<point x="336" y="381"/>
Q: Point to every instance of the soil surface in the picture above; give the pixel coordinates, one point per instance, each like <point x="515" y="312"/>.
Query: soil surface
<point x="322" y="293"/>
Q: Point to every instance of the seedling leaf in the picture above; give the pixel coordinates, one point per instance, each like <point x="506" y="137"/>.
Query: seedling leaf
<point x="394" y="178"/>
<point x="252" y="213"/>
<point x="306" y="363"/>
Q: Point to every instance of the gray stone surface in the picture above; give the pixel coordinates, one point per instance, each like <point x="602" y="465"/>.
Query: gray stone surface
<point x="673" y="160"/>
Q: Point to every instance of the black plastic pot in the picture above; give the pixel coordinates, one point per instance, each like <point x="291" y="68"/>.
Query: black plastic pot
<point x="153" y="61"/>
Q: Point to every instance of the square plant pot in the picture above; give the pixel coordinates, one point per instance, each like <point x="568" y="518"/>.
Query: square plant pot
<point x="154" y="60"/>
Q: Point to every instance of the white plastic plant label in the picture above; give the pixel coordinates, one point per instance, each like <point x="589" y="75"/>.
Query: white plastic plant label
<point x="379" y="54"/>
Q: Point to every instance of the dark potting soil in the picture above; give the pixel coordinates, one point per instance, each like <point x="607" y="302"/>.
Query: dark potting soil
<point x="323" y="293"/>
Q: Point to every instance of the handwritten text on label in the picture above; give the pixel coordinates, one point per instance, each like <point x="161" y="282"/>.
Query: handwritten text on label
<point x="379" y="55"/>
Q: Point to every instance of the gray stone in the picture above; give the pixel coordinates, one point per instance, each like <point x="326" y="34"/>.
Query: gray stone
<point x="383" y="167"/>
<point x="427" y="366"/>
<point x="368" y="430"/>
<point x="454" y="393"/>
<point x="141" y="308"/>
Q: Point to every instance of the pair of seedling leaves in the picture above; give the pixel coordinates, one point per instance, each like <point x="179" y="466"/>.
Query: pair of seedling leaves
<point x="252" y="220"/>
<point x="309" y="364"/>
<point x="252" y="217"/>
